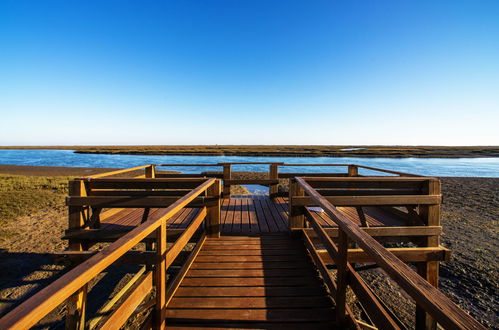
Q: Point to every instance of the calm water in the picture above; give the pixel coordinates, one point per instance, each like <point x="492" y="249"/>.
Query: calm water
<point x="472" y="167"/>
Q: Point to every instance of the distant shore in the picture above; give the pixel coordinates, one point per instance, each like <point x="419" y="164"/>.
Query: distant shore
<point x="285" y="150"/>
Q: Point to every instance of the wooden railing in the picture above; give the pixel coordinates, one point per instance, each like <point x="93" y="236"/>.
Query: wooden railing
<point x="428" y="298"/>
<point x="273" y="176"/>
<point x="72" y="287"/>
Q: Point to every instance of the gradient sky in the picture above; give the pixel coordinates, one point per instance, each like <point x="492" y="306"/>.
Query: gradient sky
<point x="249" y="72"/>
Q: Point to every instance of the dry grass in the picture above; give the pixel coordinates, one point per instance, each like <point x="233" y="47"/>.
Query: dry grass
<point x="24" y="195"/>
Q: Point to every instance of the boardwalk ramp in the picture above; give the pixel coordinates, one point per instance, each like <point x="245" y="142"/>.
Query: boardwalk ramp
<point x="247" y="282"/>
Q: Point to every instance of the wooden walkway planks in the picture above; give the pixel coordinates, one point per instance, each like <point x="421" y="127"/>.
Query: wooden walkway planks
<point x="252" y="214"/>
<point x="255" y="287"/>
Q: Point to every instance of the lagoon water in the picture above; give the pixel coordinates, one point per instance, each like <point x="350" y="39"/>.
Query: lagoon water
<point x="465" y="167"/>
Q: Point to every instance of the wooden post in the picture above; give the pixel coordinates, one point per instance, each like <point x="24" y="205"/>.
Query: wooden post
<point x="150" y="171"/>
<point x="429" y="270"/>
<point x="76" y="304"/>
<point x="341" y="277"/>
<point x="296" y="217"/>
<point x="213" y="210"/>
<point x="160" y="277"/>
<point x="353" y="170"/>
<point x="227" y="176"/>
<point x="273" y="175"/>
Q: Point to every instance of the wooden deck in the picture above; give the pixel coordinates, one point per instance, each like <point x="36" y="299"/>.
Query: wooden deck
<point x="252" y="214"/>
<point x="251" y="282"/>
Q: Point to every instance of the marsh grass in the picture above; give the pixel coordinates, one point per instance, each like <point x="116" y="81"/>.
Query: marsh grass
<point x="23" y="195"/>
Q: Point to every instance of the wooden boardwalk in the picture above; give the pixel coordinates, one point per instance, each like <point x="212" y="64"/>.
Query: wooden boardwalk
<point x="252" y="214"/>
<point x="210" y="260"/>
<point x="248" y="282"/>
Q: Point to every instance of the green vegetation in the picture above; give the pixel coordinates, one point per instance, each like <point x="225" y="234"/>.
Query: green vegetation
<point x="289" y="150"/>
<point x="23" y="195"/>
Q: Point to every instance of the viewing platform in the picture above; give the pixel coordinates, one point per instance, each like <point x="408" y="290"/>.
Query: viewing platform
<point x="208" y="259"/>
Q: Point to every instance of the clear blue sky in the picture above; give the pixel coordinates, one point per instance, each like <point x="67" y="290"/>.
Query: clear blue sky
<point x="249" y="72"/>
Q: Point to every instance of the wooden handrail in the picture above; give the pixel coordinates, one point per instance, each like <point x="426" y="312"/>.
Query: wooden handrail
<point x="101" y="175"/>
<point x="431" y="299"/>
<point x="35" y="308"/>
<point x="386" y="171"/>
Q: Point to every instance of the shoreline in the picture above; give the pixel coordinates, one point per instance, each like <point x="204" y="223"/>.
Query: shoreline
<point x="361" y="151"/>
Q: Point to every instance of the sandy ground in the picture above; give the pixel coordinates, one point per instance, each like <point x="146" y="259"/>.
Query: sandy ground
<point x="469" y="216"/>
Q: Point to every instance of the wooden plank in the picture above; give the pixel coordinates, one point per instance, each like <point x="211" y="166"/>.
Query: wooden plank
<point x="262" y="222"/>
<point x="341" y="277"/>
<point x="254" y="224"/>
<point x="253" y="247"/>
<point x="250" y="272"/>
<point x="260" y="258"/>
<point x="237" y="223"/>
<point x="131" y="302"/>
<point x="279" y="221"/>
<point x="372" y="200"/>
<point x="160" y="277"/>
<point x="251" y="302"/>
<point x="124" y="202"/>
<point x="225" y="215"/>
<point x="110" y="192"/>
<point x="387" y="231"/>
<point x="370" y="303"/>
<point x="250" y="265"/>
<point x="101" y="175"/>
<point x="108" y="306"/>
<point x="404" y="254"/>
<point x="255" y="252"/>
<point x="156" y="183"/>
<point x="254" y="315"/>
<point x="248" y="291"/>
<point x="245" y="220"/>
<point x="252" y="181"/>
<point x="319" y="325"/>
<point x="250" y="281"/>
<point x="271" y="222"/>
